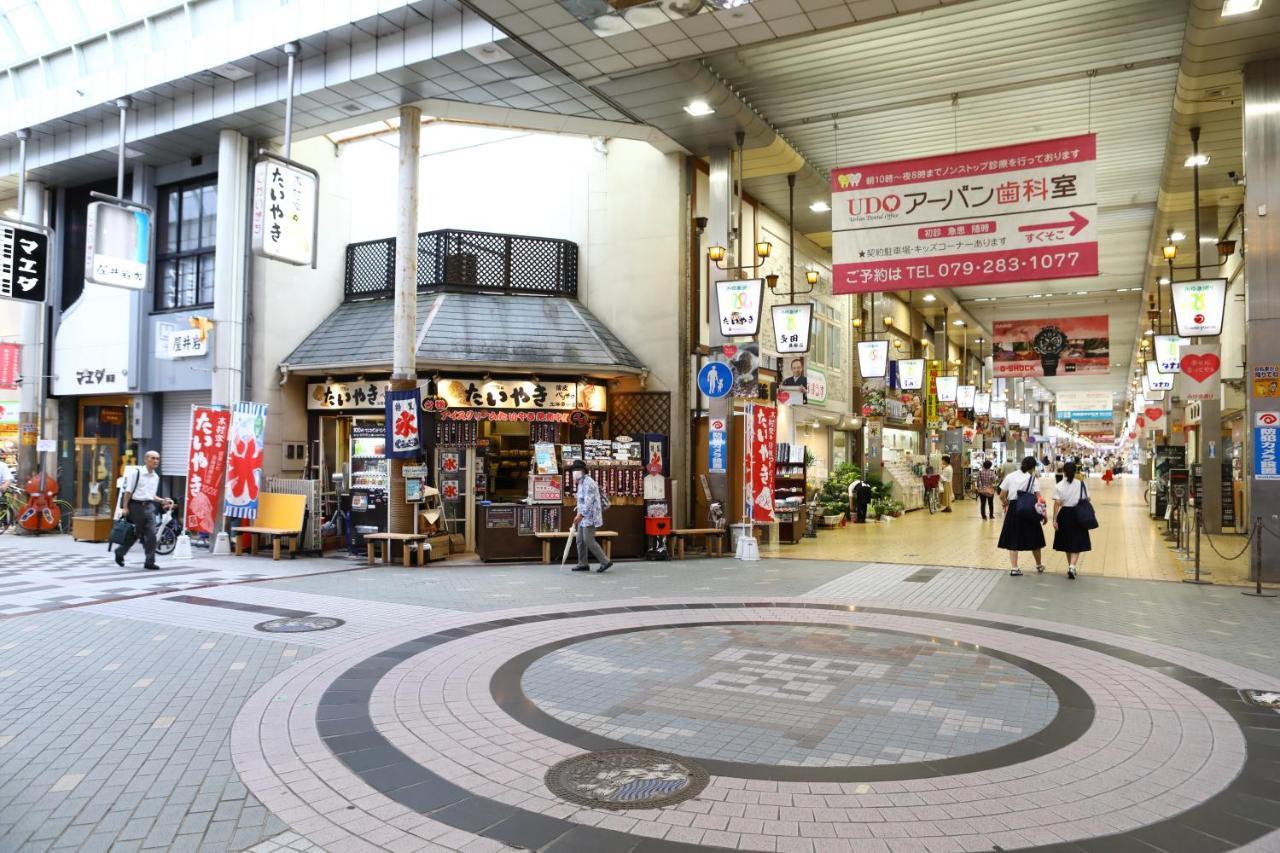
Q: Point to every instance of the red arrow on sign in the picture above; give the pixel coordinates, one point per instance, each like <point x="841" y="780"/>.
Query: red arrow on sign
<point x="1076" y="225"/>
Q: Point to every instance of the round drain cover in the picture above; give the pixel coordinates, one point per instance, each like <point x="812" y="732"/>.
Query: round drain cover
<point x="626" y="779"/>
<point x="299" y="624"/>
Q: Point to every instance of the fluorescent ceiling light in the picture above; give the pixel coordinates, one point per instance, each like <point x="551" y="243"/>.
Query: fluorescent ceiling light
<point x="929" y="297"/>
<point x="1177" y="235"/>
<point x="699" y="108"/>
<point x="817" y="206"/>
<point x="1196" y="160"/>
<point x="957" y="322"/>
<point x="1164" y="279"/>
<point x="1240" y="7"/>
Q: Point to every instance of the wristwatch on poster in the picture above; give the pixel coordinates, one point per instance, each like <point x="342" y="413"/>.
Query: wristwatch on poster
<point x="1049" y="342"/>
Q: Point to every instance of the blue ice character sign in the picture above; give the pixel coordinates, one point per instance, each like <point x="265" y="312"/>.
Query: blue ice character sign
<point x="717" y="447"/>
<point x="715" y="379"/>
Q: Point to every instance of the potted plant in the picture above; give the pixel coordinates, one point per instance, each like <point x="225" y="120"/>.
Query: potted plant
<point x="833" y="497"/>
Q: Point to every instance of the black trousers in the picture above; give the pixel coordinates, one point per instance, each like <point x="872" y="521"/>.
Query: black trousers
<point x="987" y="503"/>
<point x="142" y="515"/>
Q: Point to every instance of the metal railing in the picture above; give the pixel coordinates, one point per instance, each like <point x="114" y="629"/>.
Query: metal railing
<point x="468" y="260"/>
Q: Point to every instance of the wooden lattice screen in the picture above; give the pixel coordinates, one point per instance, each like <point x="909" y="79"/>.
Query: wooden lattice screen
<point x="639" y="412"/>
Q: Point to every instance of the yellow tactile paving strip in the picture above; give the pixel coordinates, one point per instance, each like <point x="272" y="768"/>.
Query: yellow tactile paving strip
<point x="1128" y="544"/>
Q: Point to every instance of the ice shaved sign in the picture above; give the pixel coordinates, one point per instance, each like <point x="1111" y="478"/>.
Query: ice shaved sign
<point x="1014" y="213"/>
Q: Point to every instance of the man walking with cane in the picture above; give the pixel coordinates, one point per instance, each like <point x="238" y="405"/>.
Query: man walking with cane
<point x="590" y="518"/>
<point x="139" y="503"/>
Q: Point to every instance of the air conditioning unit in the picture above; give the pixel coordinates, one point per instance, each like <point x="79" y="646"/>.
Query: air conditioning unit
<point x="460" y="268"/>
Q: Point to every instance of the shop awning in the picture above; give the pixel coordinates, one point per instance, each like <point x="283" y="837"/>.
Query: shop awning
<point x="468" y="330"/>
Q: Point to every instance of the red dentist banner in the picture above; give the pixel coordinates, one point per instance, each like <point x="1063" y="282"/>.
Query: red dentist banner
<point x="762" y="464"/>
<point x="1015" y="213"/>
<point x="206" y="465"/>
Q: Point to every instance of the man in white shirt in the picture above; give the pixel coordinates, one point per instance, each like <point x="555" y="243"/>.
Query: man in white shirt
<point x="139" y="501"/>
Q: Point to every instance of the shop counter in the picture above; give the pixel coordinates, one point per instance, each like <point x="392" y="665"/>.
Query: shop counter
<point x="506" y="531"/>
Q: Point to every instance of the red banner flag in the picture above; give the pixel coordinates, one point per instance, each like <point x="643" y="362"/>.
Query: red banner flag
<point x="206" y="464"/>
<point x="763" y="446"/>
<point x="10" y="365"/>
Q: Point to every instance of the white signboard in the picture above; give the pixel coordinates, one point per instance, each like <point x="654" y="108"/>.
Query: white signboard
<point x="1167" y="356"/>
<point x="873" y="359"/>
<point x="1200" y="372"/>
<point x="817" y="387"/>
<point x="999" y="410"/>
<point x="1084" y="405"/>
<point x="739" y="303"/>
<point x="791" y="324"/>
<point x="522" y="394"/>
<point x="187" y="343"/>
<point x="285" y="202"/>
<point x="965" y="395"/>
<point x="982" y="403"/>
<point x="117" y="245"/>
<point x="911" y="374"/>
<point x="1198" y="307"/>
<point x="1024" y="419"/>
<point x="947" y="388"/>
<point x="1157" y="381"/>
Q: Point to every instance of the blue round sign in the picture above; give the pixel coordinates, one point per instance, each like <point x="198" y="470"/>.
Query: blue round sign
<point x="715" y="379"/>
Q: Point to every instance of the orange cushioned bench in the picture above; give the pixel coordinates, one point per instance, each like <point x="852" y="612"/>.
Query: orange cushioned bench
<point x="279" y="517"/>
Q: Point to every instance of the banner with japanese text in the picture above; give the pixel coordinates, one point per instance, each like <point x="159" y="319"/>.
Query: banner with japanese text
<point x="10" y="366"/>
<point x="1059" y="346"/>
<point x="1008" y="214"/>
<point x="404" y="424"/>
<point x="1199" y="372"/>
<point x="762" y="462"/>
<point x="206" y="466"/>
<point x="244" y="460"/>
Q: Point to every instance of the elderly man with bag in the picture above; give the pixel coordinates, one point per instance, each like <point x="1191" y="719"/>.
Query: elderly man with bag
<point x="138" y="503"/>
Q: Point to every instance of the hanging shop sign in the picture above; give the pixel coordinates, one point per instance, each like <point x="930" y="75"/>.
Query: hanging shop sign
<point x="931" y="396"/>
<point x="873" y="359"/>
<point x="791" y="325"/>
<point x="1200" y="372"/>
<point x="403" y="424"/>
<point x="794" y="389"/>
<point x="117" y="243"/>
<point x="285" y="206"/>
<point x="244" y="459"/>
<point x="739" y="303"/>
<point x="761" y="462"/>
<point x="1151" y="417"/>
<point x="816" y="386"/>
<point x="1266" y="446"/>
<point x="206" y="466"/>
<point x="982" y="403"/>
<point x="715" y="379"/>
<point x="717" y="447"/>
<point x="1167" y="355"/>
<point x="1024" y="420"/>
<point x="911" y="374"/>
<point x="1073" y="346"/>
<point x="1084" y="405"/>
<point x="1014" y="213"/>
<point x="522" y="394"/>
<point x="744" y="362"/>
<point x="1266" y="380"/>
<point x="947" y="386"/>
<point x="1157" y="381"/>
<point x="10" y="366"/>
<point x="1198" y="307"/>
<point x="24" y="262"/>
<point x="965" y="395"/>
<point x="999" y="410"/>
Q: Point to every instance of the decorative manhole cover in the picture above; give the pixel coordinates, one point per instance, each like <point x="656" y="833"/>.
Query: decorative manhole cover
<point x="298" y="624"/>
<point x="626" y="779"/>
<point x="1264" y="698"/>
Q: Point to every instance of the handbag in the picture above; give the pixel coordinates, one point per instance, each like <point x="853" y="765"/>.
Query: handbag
<point x="122" y="533"/>
<point x="1025" y="504"/>
<point x="1085" y="513"/>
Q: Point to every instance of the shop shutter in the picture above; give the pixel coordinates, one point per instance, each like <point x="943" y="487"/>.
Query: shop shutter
<point x="175" y="430"/>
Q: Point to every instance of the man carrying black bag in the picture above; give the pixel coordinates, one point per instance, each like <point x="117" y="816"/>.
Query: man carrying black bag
<point x="138" y="504"/>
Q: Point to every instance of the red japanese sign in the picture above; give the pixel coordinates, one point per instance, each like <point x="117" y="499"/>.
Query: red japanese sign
<point x="762" y="463"/>
<point x="206" y="464"/>
<point x="1015" y="213"/>
<point x="10" y="365"/>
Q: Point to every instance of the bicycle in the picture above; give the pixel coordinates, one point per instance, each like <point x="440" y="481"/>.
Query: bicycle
<point x="931" y="500"/>
<point x="11" y="501"/>
<point x="168" y="529"/>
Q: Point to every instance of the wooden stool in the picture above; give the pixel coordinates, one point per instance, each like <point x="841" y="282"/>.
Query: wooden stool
<point x="371" y="541"/>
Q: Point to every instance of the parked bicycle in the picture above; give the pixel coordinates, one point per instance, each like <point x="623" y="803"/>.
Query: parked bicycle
<point x="168" y="529"/>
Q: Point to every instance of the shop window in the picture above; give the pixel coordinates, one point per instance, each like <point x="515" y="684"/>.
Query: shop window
<point x="827" y="349"/>
<point x="187" y="216"/>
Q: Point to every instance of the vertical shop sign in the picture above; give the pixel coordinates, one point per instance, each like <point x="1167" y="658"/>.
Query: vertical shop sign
<point x="1266" y="453"/>
<point x="1200" y="372"/>
<point x="117" y="244"/>
<point x="717" y="447"/>
<point x="1198" y="307"/>
<point x="285" y="206"/>
<point x="982" y="403"/>
<point x="206" y="465"/>
<point x="10" y="366"/>
<point x="946" y="386"/>
<point x="1168" y="357"/>
<point x="873" y="359"/>
<point x="911" y="374"/>
<point x="762" y="464"/>
<point x="1156" y="380"/>
<point x="739" y="303"/>
<point x="24" y="257"/>
<point x="791" y="324"/>
<point x="404" y="424"/>
<point x="965" y="395"/>
<point x="1014" y="213"/>
<point x="931" y="397"/>
<point x="244" y="460"/>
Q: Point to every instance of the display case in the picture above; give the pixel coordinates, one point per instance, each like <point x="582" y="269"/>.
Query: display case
<point x="369" y="469"/>
<point x="96" y="492"/>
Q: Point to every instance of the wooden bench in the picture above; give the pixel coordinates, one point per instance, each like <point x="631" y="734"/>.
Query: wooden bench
<point x="279" y="517"/>
<point x="714" y="541"/>
<point x="547" y="538"/>
<point x="371" y="541"/>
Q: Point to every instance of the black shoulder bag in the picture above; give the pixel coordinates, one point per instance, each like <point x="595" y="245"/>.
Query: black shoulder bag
<point x="1084" y="510"/>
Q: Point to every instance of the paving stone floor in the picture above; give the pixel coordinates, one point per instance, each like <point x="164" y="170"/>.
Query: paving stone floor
<point x="160" y="718"/>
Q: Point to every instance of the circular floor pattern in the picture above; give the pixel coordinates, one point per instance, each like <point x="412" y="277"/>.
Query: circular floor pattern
<point x="790" y="695"/>
<point x="626" y="779"/>
<point x="299" y="624"/>
<point x="406" y="741"/>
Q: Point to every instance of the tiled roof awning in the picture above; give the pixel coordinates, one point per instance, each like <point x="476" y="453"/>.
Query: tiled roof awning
<point x="472" y="330"/>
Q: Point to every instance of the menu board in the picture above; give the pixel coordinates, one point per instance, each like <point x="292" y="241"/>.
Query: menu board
<point x="626" y="450"/>
<point x="569" y="453"/>
<point x="597" y="450"/>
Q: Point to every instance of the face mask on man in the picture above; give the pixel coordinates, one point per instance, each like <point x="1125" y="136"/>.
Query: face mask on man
<point x="577" y="475"/>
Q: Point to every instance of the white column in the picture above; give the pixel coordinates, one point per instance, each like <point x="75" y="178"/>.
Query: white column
<point x="404" y="355"/>
<point x="230" y="297"/>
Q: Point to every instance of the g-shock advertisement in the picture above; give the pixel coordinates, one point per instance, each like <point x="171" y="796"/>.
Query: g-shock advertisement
<point x="1062" y="346"/>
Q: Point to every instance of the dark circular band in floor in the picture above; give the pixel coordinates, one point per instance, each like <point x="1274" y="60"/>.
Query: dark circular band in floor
<point x="1244" y="811"/>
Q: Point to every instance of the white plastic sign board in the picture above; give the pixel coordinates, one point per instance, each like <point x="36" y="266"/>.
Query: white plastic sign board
<point x="1198" y="307"/>
<point x="791" y="325"/>
<point x="1157" y="381"/>
<point x="911" y="374"/>
<point x="739" y="303"/>
<point x="285" y="207"/>
<point x="946" y="386"/>
<point x="965" y="395"/>
<point x="117" y="247"/>
<point x="1167" y="356"/>
<point x="1084" y="405"/>
<point x="1200" y="372"/>
<point x="873" y="359"/>
<point x="982" y="403"/>
<point x="999" y="410"/>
